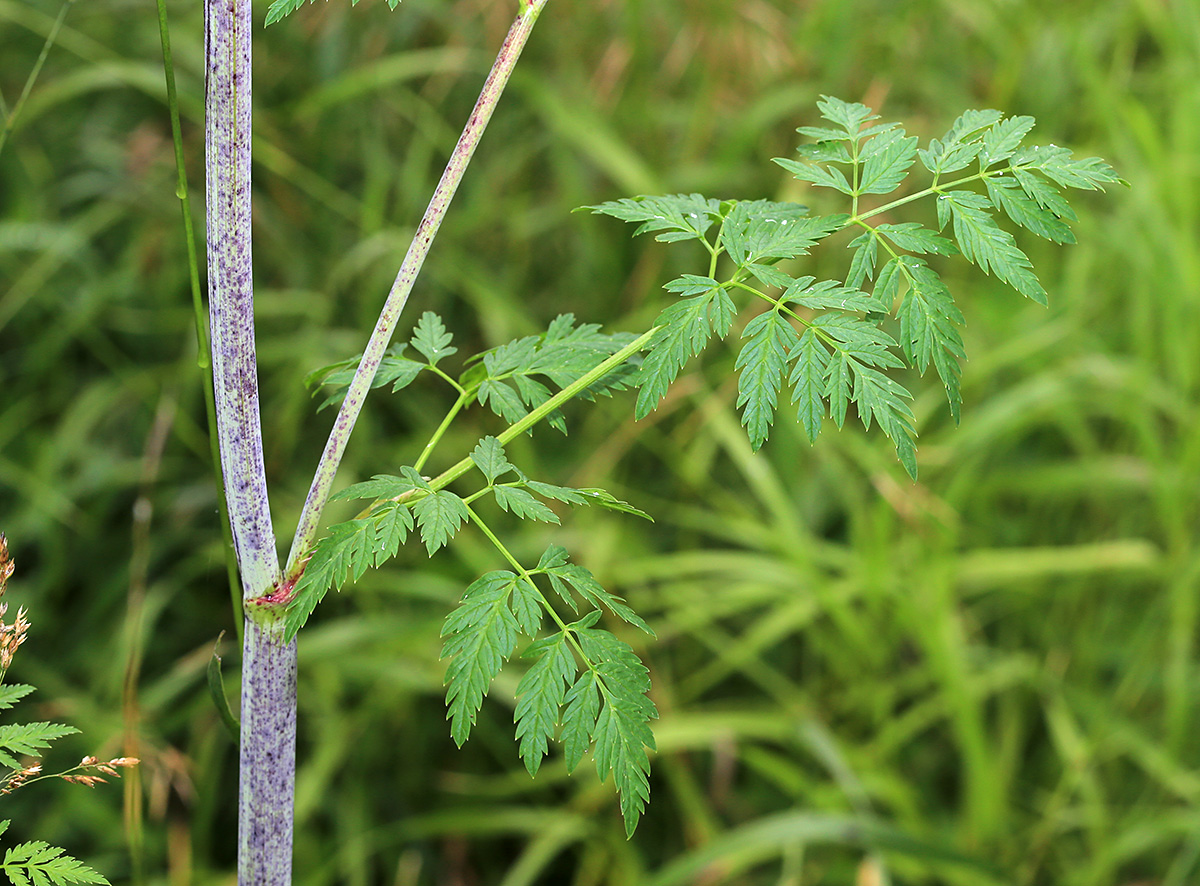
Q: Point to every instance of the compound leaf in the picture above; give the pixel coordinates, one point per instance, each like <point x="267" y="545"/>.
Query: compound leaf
<point x="431" y="339"/>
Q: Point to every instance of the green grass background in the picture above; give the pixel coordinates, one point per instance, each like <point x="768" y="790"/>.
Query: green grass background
<point x="988" y="677"/>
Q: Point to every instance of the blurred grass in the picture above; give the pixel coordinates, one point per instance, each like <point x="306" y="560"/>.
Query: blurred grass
<point x="987" y="677"/>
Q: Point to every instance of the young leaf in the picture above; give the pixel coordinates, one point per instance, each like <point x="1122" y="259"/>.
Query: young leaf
<point x="540" y="695"/>
<point x="686" y="327"/>
<point x="678" y="216"/>
<point x="480" y="636"/>
<point x="808" y="381"/>
<point x="579" y="718"/>
<point x="41" y="864"/>
<point x="431" y="339"/>
<point x="762" y="361"/>
<point x="586" y="586"/>
<point x="523" y="505"/>
<point x="489" y="457"/>
<point x="986" y="244"/>
<point x="929" y="322"/>
<point x="622" y="730"/>
<point x="888" y="157"/>
<point x="439" y="515"/>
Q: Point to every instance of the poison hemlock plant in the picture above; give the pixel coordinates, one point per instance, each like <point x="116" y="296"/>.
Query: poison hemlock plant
<point x="36" y="862"/>
<point x="831" y="342"/>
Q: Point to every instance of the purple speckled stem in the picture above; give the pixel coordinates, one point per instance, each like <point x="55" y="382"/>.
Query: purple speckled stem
<point x="318" y="493"/>
<point x="268" y="755"/>
<point x="268" y="731"/>
<point x="231" y="292"/>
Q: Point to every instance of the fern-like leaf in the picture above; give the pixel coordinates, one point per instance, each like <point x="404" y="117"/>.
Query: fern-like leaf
<point x="480" y="636"/>
<point x="540" y="696"/>
<point x="987" y="245"/>
<point x="29" y="739"/>
<point x="622" y="729"/>
<point x="762" y="362"/>
<point x="677" y="216"/>
<point x="11" y="693"/>
<point x="40" y="864"/>
<point x="686" y="328"/>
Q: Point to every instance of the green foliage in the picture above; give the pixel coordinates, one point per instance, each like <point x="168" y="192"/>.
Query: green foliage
<point x="835" y="343"/>
<point x="39" y="864"/>
<point x="29" y="739"/>
<point x="282" y="8"/>
<point x="505" y="378"/>
<point x="838" y="347"/>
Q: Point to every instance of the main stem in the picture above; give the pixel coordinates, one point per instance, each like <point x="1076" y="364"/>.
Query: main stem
<point x="268" y="734"/>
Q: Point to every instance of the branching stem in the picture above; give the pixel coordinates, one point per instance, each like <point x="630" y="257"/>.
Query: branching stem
<point x="322" y="482"/>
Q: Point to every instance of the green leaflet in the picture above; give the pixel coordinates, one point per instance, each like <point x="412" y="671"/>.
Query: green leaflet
<point x="622" y="730"/>
<point x="986" y="244"/>
<point x="676" y="216"/>
<point x="505" y="379"/>
<point x="40" y="864"/>
<point x="29" y="740"/>
<point x="563" y="574"/>
<point x="480" y="636"/>
<point x="686" y="327"/>
<point x="540" y="695"/>
<point x="762" y="362"/>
